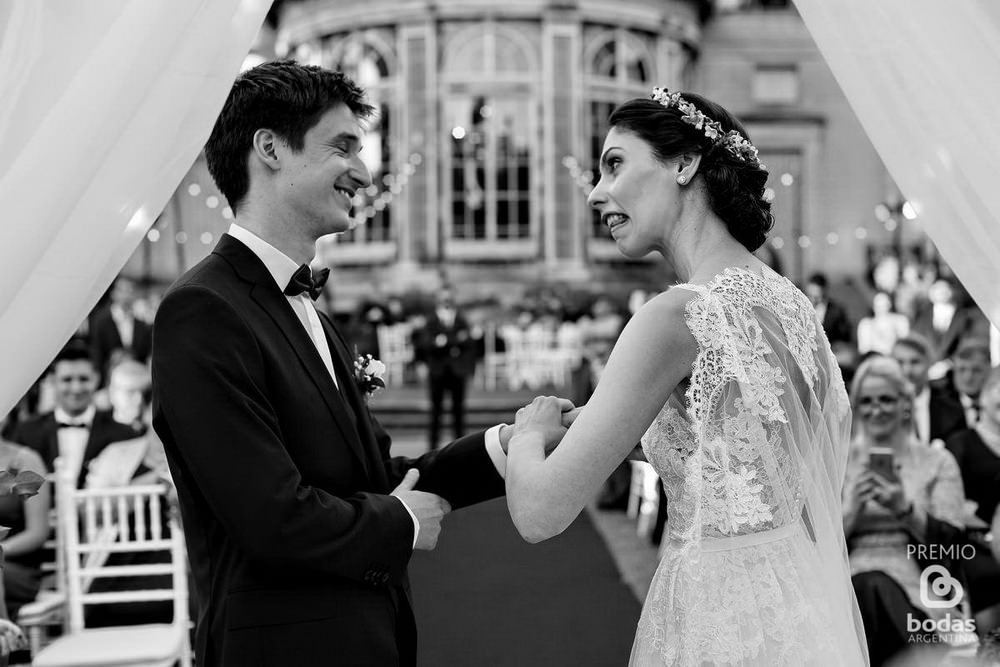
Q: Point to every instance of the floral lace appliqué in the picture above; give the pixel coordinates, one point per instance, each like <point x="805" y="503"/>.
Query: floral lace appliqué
<point x="726" y="593"/>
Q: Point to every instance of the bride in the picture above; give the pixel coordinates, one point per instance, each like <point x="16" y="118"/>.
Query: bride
<point x="729" y="382"/>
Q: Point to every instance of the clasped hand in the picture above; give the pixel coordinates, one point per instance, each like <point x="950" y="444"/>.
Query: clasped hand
<point x="888" y="494"/>
<point x="429" y="508"/>
<point x="549" y="417"/>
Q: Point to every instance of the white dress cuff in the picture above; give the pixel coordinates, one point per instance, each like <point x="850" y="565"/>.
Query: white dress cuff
<point x="416" y="524"/>
<point x="493" y="448"/>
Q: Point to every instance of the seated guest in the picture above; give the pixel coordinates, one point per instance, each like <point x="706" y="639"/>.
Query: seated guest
<point x="129" y="387"/>
<point x="936" y="410"/>
<point x="879" y="331"/>
<point x="970" y="364"/>
<point x="977" y="451"/>
<point x="28" y="521"/>
<point x="75" y="430"/>
<point x="898" y="493"/>
<point x="138" y="461"/>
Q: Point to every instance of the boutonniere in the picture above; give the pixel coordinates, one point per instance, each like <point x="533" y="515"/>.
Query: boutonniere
<point x="368" y="373"/>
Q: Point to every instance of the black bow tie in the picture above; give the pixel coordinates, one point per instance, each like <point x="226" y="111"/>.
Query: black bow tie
<point x="303" y="280"/>
<point x="72" y="425"/>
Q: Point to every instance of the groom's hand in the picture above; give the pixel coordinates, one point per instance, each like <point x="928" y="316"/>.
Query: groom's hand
<point x="429" y="508"/>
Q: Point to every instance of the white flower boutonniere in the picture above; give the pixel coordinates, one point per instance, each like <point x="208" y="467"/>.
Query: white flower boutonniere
<point x="368" y="372"/>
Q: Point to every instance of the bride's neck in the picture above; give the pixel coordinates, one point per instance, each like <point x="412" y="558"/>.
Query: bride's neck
<point x="702" y="247"/>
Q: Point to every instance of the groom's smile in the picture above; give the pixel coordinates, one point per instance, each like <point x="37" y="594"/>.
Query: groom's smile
<point x="324" y="176"/>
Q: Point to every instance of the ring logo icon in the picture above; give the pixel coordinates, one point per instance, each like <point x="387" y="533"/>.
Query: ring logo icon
<point x="941" y="587"/>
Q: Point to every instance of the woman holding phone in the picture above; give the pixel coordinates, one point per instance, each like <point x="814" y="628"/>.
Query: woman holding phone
<point x="903" y="506"/>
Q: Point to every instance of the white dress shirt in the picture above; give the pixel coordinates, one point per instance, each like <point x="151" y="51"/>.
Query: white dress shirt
<point x="281" y="267"/>
<point x="124" y="322"/>
<point x="73" y="440"/>
<point x="971" y="408"/>
<point x="922" y="414"/>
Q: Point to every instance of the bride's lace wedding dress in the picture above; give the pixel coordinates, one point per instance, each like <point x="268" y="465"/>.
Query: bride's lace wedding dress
<point x="752" y="455"/>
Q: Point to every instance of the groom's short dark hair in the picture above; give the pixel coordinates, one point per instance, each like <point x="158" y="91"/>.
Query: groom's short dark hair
<point x="282" y="96"/>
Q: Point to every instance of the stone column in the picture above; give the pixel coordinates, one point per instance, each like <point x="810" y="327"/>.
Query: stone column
<point x="564" y="217"/>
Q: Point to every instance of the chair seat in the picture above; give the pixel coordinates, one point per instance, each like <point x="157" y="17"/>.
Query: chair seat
<point x="115" y="647"/>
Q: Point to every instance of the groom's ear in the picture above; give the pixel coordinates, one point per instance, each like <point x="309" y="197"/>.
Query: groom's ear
<point x="266" y="149"/>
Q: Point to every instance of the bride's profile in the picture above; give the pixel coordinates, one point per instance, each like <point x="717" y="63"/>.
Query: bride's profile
<point x="730" y="384"/>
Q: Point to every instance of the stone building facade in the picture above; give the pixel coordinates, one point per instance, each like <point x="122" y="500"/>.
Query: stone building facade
<point x="491" y="119"/>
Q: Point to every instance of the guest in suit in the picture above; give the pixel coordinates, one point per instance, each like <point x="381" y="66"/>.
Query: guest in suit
<point x="977" y="451"/>
<point x="299" y="525"/>
<point x="75" y="430"/>
<point x="116" y="329"/>
<point x="446" y="344"/>
<point x="830" y="313"/>
<point x="949" y="315"/>
<point x="970" y="364"/>
<point x="937" y="413"/>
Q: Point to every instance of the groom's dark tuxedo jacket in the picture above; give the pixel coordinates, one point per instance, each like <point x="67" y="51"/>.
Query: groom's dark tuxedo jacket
<point x="298" y="554"/>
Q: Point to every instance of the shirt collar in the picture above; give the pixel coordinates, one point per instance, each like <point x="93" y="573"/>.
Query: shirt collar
<point x="117" y="312"/>
<point x="923" y="397"/>
<point x="278" y="264"/>
<point x="86" y="417"/>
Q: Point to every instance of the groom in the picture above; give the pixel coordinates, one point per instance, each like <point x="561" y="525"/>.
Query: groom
<point x="299" y="526"/>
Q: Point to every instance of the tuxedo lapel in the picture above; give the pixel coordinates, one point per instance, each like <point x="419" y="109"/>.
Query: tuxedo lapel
<point x="267" y="295"/>
<point x="344" y="365"/>
<point x="51" y="441"/>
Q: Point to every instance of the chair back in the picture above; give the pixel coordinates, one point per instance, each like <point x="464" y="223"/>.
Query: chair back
<point x="395" y="350"/>
<point x="98" y="523"/>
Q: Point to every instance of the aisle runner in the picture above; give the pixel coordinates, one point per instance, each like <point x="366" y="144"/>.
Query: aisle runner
<point x="486" y="598"/>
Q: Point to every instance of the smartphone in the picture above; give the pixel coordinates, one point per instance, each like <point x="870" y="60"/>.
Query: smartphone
<point x="882" y="463"/>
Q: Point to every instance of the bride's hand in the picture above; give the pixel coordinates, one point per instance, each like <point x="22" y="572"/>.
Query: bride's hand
<point x="545" y="416"/>
<point x="569" y="416"/>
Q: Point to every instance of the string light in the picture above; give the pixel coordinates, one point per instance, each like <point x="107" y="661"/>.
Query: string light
<point x="370" y="201"/>
<point x="581" y="178"/>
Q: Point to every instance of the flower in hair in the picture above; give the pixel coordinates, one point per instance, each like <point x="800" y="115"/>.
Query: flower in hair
<point x="732" y="141"/>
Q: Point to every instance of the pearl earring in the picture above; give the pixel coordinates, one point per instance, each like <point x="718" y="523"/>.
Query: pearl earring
<point x="682" y="180"/>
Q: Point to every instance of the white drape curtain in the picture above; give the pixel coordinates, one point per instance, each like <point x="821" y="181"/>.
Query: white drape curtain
<point x="106" y="104"/>
<point x="923" y="77"/>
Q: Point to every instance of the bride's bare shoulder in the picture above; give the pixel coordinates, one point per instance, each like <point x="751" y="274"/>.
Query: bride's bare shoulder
<point x="661" y="321"/>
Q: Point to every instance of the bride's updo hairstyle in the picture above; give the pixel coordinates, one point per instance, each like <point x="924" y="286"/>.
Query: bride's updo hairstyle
<point x="734" y="177"/>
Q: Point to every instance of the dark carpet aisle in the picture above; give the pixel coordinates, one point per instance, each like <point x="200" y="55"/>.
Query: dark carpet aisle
<point x="486" y="598"/>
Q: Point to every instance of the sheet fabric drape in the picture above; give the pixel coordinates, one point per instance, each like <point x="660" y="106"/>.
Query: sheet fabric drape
<point x="923" y="77"/>
<point x="106" y="104"/>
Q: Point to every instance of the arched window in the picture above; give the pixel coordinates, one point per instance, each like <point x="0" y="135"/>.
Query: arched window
<point x="490" y="113"/>
<point x="368" y="59"/>
<point x="618" y="66"/>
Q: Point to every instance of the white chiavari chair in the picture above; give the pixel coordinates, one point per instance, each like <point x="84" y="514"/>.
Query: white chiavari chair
<point x="95" y="524"/>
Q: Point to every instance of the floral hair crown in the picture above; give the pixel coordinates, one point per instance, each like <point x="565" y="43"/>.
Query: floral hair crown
<point x="732" y="141"/>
